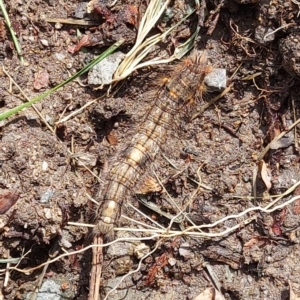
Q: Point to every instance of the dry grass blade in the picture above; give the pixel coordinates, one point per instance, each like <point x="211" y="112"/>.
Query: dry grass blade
<point x="142" y="47"/>
<point x="72" y="21"/>
<point x="145" y="216"/>
<point x="152" y="14"/>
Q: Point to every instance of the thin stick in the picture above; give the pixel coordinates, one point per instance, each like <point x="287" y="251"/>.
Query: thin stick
<point x="279" y="28"/>
<point x="96" y="271"/>
<point x="72" y="21"/>
<point x="145" y="216"/>
<point x="39" y="283"/>
<point x="76" y="112"/>
<point x="6" y="275"/>
<point x="204" y="107"/>
<point x="10" y="260"/>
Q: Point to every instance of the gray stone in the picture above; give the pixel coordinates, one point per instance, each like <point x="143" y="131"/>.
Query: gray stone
<point x="216" y="80"/>
<point x="49" y="290"/>
<point x="264" y="35"/>
<point x="103" y="72"/>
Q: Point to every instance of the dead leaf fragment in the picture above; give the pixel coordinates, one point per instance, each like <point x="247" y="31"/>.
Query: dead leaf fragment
<point x="112" y="139"/>
<point x="150" y="185"/>
<point x="41" y="80"/>
<point x="7" y="200"/>
<point x="84" y="41"/>
<point x="265" y="174"/>
<point x="254" y="241"/>
<point x="130" y="14"/>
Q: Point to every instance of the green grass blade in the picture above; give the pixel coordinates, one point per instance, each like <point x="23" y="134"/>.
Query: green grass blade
<point x="12" y="32"/>
<point x="47" y="93"/>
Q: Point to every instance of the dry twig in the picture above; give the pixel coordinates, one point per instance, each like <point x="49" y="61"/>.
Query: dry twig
<point x="278" y="137"/>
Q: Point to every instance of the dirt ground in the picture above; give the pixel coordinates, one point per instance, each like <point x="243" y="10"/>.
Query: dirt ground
<point x="47" y="172"/>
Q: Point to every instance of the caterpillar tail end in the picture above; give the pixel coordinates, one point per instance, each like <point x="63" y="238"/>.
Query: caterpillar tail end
<point x="104" y="229"/>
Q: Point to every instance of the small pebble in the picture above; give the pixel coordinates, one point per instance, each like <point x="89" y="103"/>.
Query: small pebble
<point x="49" y="119"/>
<point x="246" y="179"/>
<point x="58" y="25"/>
<point x="141" y="250"/>
<point x="172" y="261"/>
<point x="69" y="65"/>
<point x="59" y="56"/>
<point x="3" y="222"/>
<point x="167" y="15"/>
<point x="44" y="166"/>
<point x="68" y="96"/>
<point x="44" y="42"/>
<point x="47" y="196"/>
<point x="47" y="212"/>
<point x="284" y="142"/>
<point x="65" y="243"/>
<point x="81" y="10"/>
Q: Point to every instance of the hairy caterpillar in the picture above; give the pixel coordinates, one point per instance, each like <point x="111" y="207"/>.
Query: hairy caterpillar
<point x="185" y="82"/>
